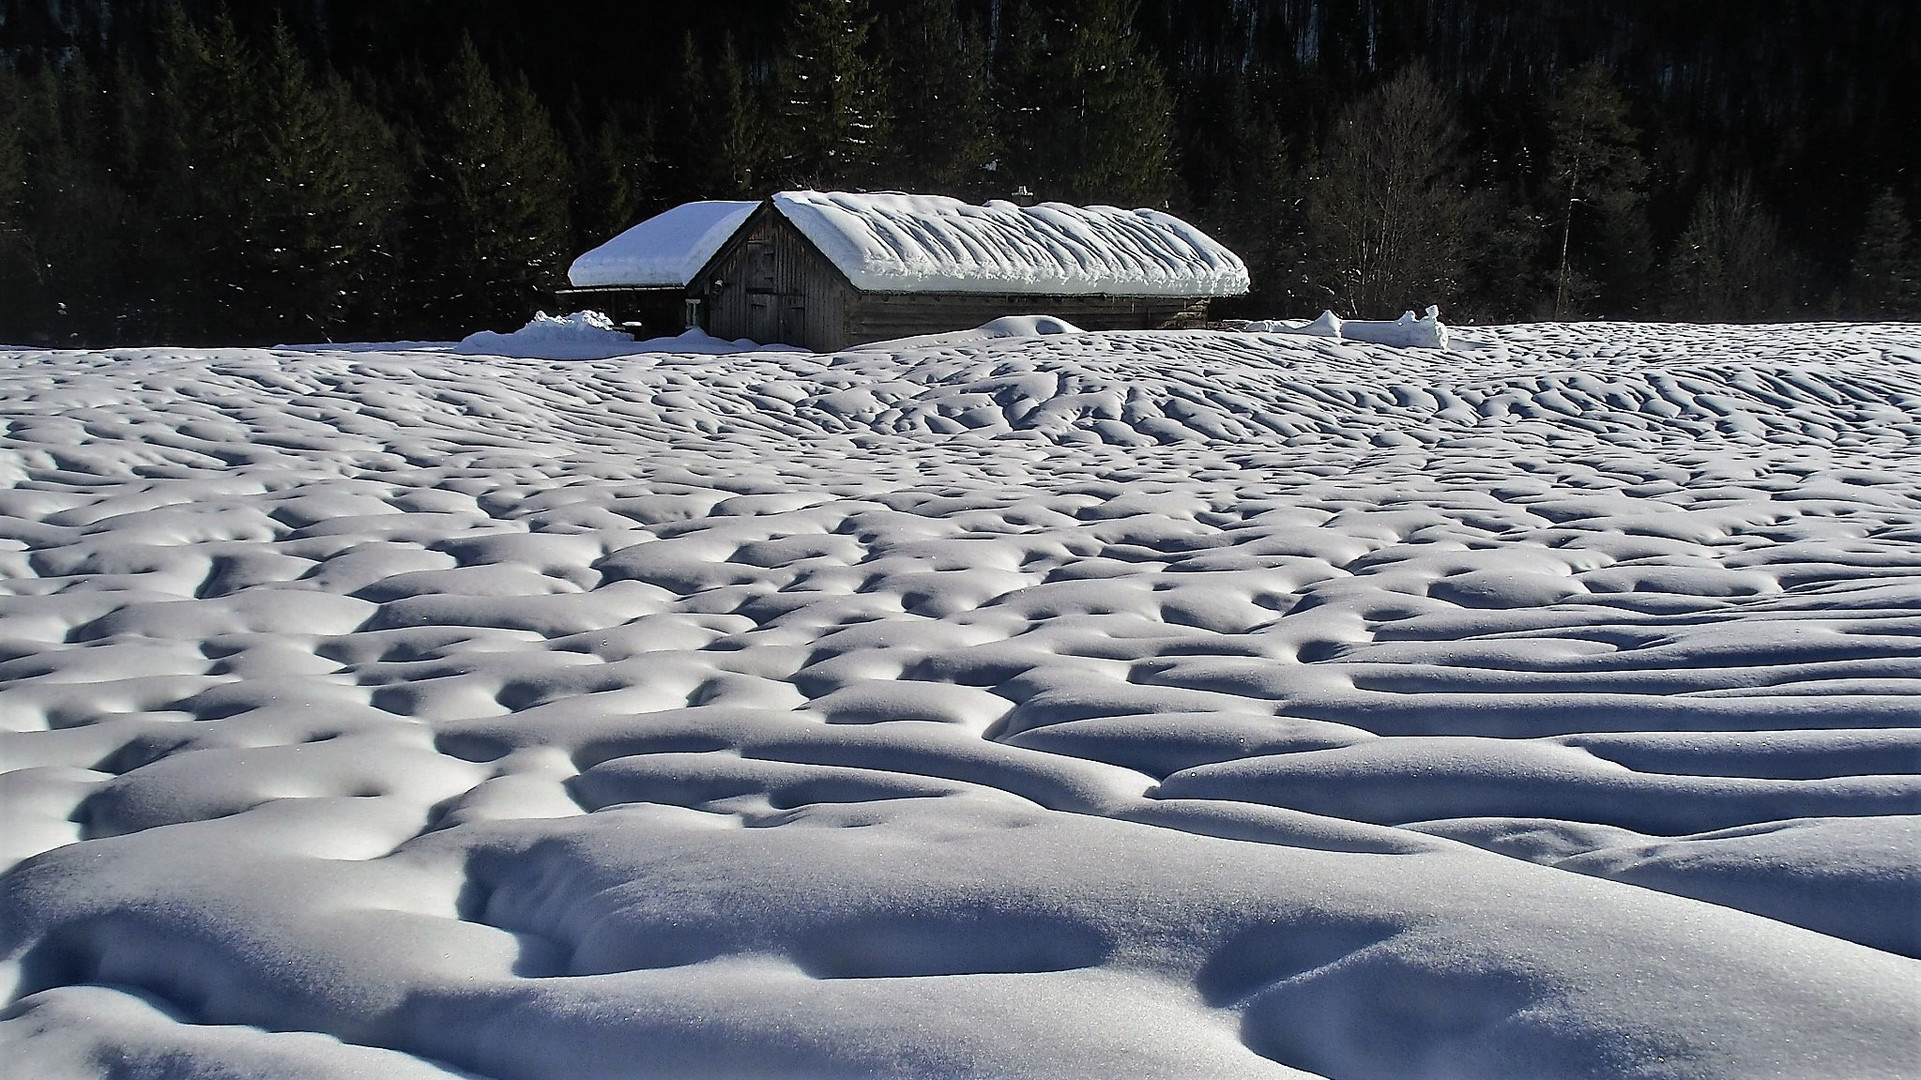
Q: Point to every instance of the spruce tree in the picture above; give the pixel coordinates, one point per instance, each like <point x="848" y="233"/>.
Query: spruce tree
<point x="314" y="213"/>
<point x="16" y="265"/>
<point x="1509" y="271"/>
<point x="1387" y="213"/>
<point x="718" y="149"/>
<point x="536" y="197"/>
<point x="275" y="190"/>
<point x="686" y="166"/>
<point x="380" y="166"/>
<point x="715" y="143"/>
<point x="204" y="129"/>
<point x="942" y="94"/>
<point x="495" y="230"/>
<point x="1884" y="281"/>
<point x="737" y="134"/>
<point x="1021" y="97"/>
<point x="70" y="239"/>
<point x="611" y="166"/>
<point x="1088" y="114"/>
<point x="13" y="164"/>
<point x="1596" y="197"/>
<point x="1115" y="124"/>
<point x="131" y="160"/>
<point x="832" y="124"/>
<point x="1239" y="179"/>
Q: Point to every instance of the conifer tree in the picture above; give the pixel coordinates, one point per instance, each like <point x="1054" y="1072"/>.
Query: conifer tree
<point x="70" y="239"/>
<point x="494" y="199"/>
<point x="1884" y="280"/>
<point x="129" y="157"/>
<point x="13" y="166"/>
<point x="204" y="132"/>
<point x="314" y="212"/>
<point x="1090" y="116"/>
<point x="686" y="165"/>
<point x="1509" y="271"/>
<point x="1596" y="186"/>
<point x="1116" y="122"/>
<point x="719" y="146"/>
<point x="275" y="187"/>
<point x="381" y="164"/>
<point x="738" y="135"/>
<point x="832" y="121"/>
<point x="16" y="267"/>
<point x="941" y="90"/>
<point x="1239" y="180"/>
<point x="1021" y="95"/>
<point x="126" y="148"/>
<point x="611" y="166"/>
<point x="1387" y="214"/>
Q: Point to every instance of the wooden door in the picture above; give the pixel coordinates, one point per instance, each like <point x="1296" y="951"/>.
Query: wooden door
<point x="763" y="296"/>
<point x="761" y="276"/>
<point x="793" y="319"/>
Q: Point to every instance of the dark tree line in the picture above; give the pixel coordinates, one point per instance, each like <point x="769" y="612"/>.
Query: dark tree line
<point x="311" y="169"/>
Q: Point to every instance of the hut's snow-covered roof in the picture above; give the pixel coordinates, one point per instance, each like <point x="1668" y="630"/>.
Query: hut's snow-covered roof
<point x="665" y="251"/>
<point x="930" y="243"/>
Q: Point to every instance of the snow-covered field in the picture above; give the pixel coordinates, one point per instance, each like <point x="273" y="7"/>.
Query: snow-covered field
<point x="1108" y="705"/>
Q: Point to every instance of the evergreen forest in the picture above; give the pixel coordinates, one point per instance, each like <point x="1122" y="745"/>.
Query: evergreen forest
<point x="181" y="171"/>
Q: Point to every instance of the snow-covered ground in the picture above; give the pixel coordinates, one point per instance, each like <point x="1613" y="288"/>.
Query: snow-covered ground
<point x="1074" y="705"/>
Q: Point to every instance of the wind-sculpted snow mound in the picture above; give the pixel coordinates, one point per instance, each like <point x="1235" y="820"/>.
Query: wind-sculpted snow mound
<point x="1082" y="705"/>
<point x="1138" y="389"/>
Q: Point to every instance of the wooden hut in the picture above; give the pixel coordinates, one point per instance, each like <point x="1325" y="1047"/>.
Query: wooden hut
<point x="825" y="270"/>
<point x="644" y="277"/>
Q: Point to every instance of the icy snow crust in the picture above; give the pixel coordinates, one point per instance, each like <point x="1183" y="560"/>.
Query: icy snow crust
<point x="1083" y="705"/>
<point x="931" y="243"/>
<point x="665" y="251"/>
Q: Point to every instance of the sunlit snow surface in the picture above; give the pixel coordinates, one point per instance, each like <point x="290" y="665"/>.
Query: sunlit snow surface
<point x="1118" y="705"/>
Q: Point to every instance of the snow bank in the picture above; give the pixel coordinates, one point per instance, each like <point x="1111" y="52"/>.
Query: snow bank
<point x="1056" y="706"/>
<point x="665" y="251"/>
<point x="1006" y="328"/>
<point x="931" y="243"/>
<point x="578" y="336"/>
<point x="590" y="335"/>
<point x="1407" y="332"/>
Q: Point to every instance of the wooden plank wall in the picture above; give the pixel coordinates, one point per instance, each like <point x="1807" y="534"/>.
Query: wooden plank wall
<point x="776" y="288"/>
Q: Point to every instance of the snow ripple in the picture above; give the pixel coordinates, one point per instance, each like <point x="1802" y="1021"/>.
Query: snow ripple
<point x="1087" y="705"/>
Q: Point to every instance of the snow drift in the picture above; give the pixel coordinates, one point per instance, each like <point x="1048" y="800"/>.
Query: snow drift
<point x="589" y="335"/>
<point x="1407" y="332"/>
<point x="1060" y="705"/>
